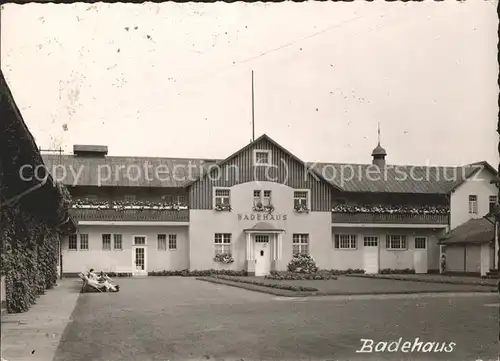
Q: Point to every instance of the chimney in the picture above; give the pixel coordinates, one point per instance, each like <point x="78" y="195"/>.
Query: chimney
<point x="81" y="150"/>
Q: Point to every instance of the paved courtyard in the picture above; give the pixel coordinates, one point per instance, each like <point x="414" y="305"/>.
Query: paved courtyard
<point x="170" y="318"/>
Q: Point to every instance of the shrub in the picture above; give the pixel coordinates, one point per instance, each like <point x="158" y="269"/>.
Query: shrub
<point x="302" y="263"/>
<point x="397" y="271"/>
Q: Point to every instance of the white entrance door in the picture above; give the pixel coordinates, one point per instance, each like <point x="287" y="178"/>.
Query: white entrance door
<point x="371" y="254"/>
<point x="139" y="260"/>
<point x="420" y="255"/>
<point x="262" y="254"/>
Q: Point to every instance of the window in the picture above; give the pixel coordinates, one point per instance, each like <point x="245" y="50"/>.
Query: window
<point x="472" y="204"/>
<point x="181" y="200"/>
<point x="267" y="198"/>
<point x="117" y="241"/>
<point x="370" y="241"/>
<point x="345" y="241"/>
<point x="91" y="197"/>
<point x="162" y="242"/>
<point x="493" y="202"/>
<point x="72" y="242"/>
<point x="262" y="157"/>
<point x="84" y="241"/>
<point x="300" y="198"/>
<point x="106" y="242"/>
<point x="139" y="240"/>
<point x="256" y="198"/>
<point x="172" y="241"/>
<point x="396" y="242"/>
<point x="260" y="238"/>
<point x="420" y="242"/>
<point x="222" y="243"/>
<point x="129" y="198"/>
<point x="300" y="244"/>
<point x="168" y="198"/>
<point x="222" y="196"/>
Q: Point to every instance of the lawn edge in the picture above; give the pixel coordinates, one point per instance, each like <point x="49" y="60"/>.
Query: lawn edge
<point x="256" y="288"/>
<point x="288" y="293"/>
<point x="421" y="280"/>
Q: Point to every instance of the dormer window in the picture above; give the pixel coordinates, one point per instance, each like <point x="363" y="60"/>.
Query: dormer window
<point x="261" y="157"/>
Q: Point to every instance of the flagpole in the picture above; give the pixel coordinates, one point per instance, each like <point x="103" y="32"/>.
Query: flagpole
<point x="253" y="117"/>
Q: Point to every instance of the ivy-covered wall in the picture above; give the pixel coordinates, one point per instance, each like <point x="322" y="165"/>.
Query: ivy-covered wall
<point x="29" y="257"/>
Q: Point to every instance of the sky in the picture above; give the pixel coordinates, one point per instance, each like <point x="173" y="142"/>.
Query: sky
<point x="174" y="80"/>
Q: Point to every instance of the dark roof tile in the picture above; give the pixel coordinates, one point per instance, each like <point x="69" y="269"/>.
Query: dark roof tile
<point x="479" y="230"/>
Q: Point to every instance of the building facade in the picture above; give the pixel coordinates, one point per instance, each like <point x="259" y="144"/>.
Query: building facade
<point x="257" y="208"/>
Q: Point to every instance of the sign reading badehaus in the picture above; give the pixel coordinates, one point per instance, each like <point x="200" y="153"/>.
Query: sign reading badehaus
<point x="261" y="217"/>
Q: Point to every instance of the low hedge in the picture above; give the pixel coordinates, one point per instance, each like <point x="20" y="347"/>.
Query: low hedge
<point x="286" y="275"/>
<point x="271" y="285"/>
<point x="119" y="274"/>
<point x="198" y="273"/>
<point x="391" y="271"/>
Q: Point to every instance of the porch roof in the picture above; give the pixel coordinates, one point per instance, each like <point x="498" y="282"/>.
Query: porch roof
<point x="262" y="227"/>
<point x="474" y="231"/>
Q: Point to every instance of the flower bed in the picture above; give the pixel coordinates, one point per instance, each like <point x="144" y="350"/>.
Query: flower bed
<point x="391" y="271"/>
<point x="270" y="285"/>
<point x="198" y="273"/>
<point x="285" y="275"/>
<point x="319" y="275"/>
<point x="390" y="209"/>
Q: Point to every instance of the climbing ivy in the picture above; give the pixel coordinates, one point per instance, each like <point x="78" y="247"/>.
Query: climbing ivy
<point x="29" y="257"/>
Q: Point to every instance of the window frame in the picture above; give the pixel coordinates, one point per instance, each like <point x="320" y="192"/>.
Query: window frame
<point x="161" y="242"/>
<point x="224" y="246"/>
<point x="473" y="204"/>
<point x="419" y="238"/>
<point x="269" y="157"/>
<point x="145" y="244"/>
<point x="73" y="237"/>
<point x="115" y="238"/>
<point x="102" y="241"/>
<point x="388" y="242"/>
<point x="353" y="239"/>
<point x="267" y="201"/>
<point x="172" y="239"/>
<point x="301" y="241"/>
<point x="492" y="202"/>
<point x="307" y="198"/>
<point x="369" y="239"/>
<point x="257" y="199"/>
<point x="81" y="241"/>
<point x="215" y="196"/>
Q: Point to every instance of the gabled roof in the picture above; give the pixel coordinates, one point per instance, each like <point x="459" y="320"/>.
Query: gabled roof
<point x="398" y="178"/>
<point x="314" y="173"/>
<point x="182" y="172"/>
<point x="475" y="231"/>
<point x="94" y="171"/>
